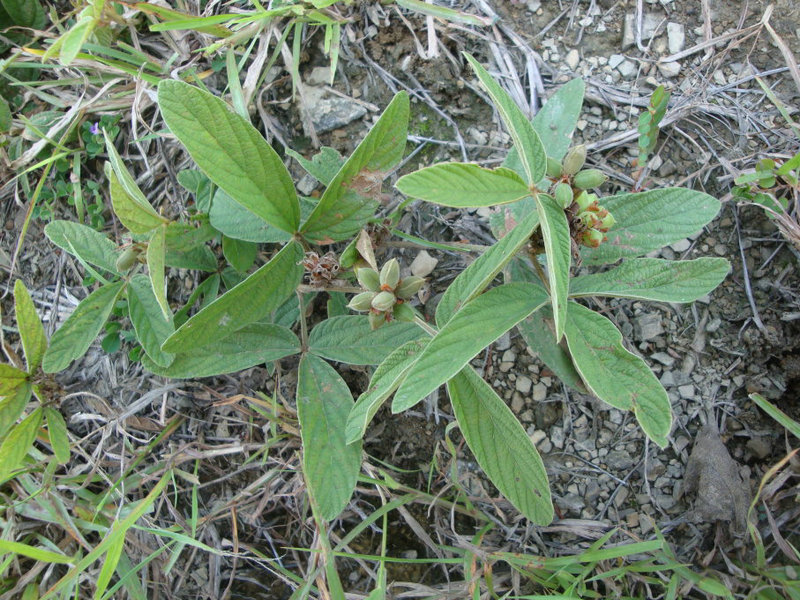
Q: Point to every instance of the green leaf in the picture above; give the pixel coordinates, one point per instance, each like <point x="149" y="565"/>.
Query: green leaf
<point x="240" y="254"/>
<point x="655" y="279"/>
<point x="248" y="302"/>
<point x="184" y="237"/>
<point x="9" y="547"/>
<point x="349" y="339"/>
<point x="235" y="221"/>
<point x="323" y="166"/>
<point x="11" y="378"/>
<point x="463" y="185"/>
<point x="155" y="269"/>
<point x="385" y="380"/>
<point x="330" y="465"/>
<point x="478" y="275"/>
<point x="85" y="243"/>
<point x="505" y="217"/>
<point x="538" y="331"/>
<point x="350" y="199"/>
<point x="19" y="441"/>
<point x="110" y="561"/>
<point x="6" y="118"/>
<point x="231" y="152"/>
<point x="647" y="221"/>
<point x="444" y="13"/>
<point x="151" y="328"/>
<point x="773" y="411"/>
<point x="554" y="122"/>
<point x="250" y="346"/>
<point x="501" y="446"/>
<point x="13" y="405"/>
<point x="72" y="41"/>
<point x="614" y="374"/>
<point x="80" y="329"/>
<point x="526" y="140"/>
<point x="130" y="213"/>
<point x="479" y="323"/>
<point x="200" y="259"/>
<point x="59" y="438"/>
<point x="196" y="183"/>
<point x="126" y="181"/>
<point x="558" y="246"/>
<point x="26" y="13"/>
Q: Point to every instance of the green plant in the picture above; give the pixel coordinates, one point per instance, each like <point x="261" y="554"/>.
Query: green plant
<point x="649" y="122"/>
<point x="547" y="221"/>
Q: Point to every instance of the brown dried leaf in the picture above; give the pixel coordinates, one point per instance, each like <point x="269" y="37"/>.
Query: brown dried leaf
<point x="722" y="493"/>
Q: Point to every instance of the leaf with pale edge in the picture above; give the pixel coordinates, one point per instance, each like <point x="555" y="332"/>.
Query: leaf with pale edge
<point x="231" y="152"/>
<point x="85" y="243"/>
<point x="156" y="252"/>
<point x="235" y="221"/>
<point x="250" y="346"/>
<point x="250" y="301"/>
<point x="647" y="221"/>
<point x="11" y="378"/>
<point x="614" y="374"/>
<point x="558" y="246"/>
<point x="74" y="337"/>
<point x="555" y="123"/>
<point x="323" y="166"/>
<point x="129" y="213"/>
<point x="526" y="140"/>
<point x="463" y="185"/>
<point x="31" y="331"/>
<point x="349" y="339"/>
<point x="655" y="279"/>
<point x="330" y="465"/>
<point x="57" y="431"/>
<point x="501" y="446"/>
<point x="350" y="199"/>
<point x="538" y="331"/>
<point x="12" y="405"/>
<point x="477" y="276"/>
<point x="148" y="322"/>
<point x="18" y="442"/>
<point x="479" y="323"/>
<point x="384" y="382"/>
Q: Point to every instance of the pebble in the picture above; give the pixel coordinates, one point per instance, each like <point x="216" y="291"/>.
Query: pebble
<point x="627" y="68"/>
<point x="333" y="112"/>
<point x="621" y="496"/>
<point x="676" y="37"/>
<point x="649" y="24"/>
<point x="686" y="391"/>
<point x="538" y="436"/>
<point x="664" y="358"/>
<point x="648" y="326"/>
<point x="557" y="437"/>
<point x="319" y="76"/>
<point x="523" y="384"/>
<point x="669" y="69"/>
<point x="503" y="342"/>
<point x="534" y="5"/>
<point x="539" y="392"/>
<point x="681" y="246"/>
<point x="517" y="403"/>
<point x="572" y="59"/>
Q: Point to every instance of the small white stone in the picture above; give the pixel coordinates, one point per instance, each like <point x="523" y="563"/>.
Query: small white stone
<point x="572" y="59"/>
<point x="615" y="60"/>
<point x="423" y="264"/>
<point x="676" y="37"/>
<point x="669" y="69"/>
<point x="627" y="68"/>
<point x="539" y="392"/>
<point x="537" y="436"/>
<point x="523" y="384"/>
<point x="681" y="246"/>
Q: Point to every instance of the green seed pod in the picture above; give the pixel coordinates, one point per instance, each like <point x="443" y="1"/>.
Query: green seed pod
<point x="403" y="312"/>
<point x="361" y="302"/>
<point x="553" y="168"/>
<point x="409" y="286"/>
<point x="585" y="200"/>
<point x="588" y="219"/>
<point x="574" y="160"/>
<point x="390" y="274"/>
<point x="564" y="195"/>
<point x="607" y="222"/>
<point x="588" y="179"/>
<point x="592" y="238"/>
<point x="127" y="259"/>
<point x="369" y="279"/>
<point x="376" y="319"/>
<point x="383" y="301"/>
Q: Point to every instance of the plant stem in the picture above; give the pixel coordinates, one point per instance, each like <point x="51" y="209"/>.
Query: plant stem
<point x="428" y="329"/>
<point x="303" y="324"/>
<point x="540" y="272"/>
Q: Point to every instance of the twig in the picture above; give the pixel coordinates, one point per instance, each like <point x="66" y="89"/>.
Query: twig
<point x="745" y="275"/>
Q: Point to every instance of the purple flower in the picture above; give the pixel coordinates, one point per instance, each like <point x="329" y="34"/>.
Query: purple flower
<point x="94" y="129"/>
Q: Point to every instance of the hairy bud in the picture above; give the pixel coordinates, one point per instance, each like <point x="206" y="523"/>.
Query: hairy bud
<point x="390" y="275"/>
<point x="588" y="179"/>
<point x="383" y="301"/>
<point x="574" y="160"/>
<point x="553" y="168"/>
<point x="564" y="195"/>
<point x="361" y="302"/>
<point x="369" y="279"/>
<point x="409" y="286"/>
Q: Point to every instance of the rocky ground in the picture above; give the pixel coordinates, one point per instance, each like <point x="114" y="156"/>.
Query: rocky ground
<point x="710" y="355"/>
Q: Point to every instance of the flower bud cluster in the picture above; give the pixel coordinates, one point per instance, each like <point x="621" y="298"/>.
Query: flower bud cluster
<point x="590" y="222"/>
<point x="386" y="294"/>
